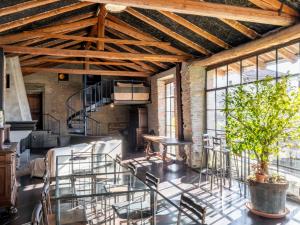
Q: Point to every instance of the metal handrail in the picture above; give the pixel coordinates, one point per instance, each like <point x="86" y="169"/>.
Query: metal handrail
<point x="48" y="116"/>
<point x="90" y="99"/>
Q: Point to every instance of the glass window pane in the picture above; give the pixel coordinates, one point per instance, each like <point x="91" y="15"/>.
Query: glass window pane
<point x="234" y="73"/>
<point x="172" y="89"/>
<point x="220" y="98"/>
<point x="172" y="104"/>
<point x="222" y="76"/>
<point x="168" y="105"/>
<point x="211" y="79"/>
<point x="221" y="122"/>
<point x="172" y="119"/>
<point x="288" y="60"/>
<point x="249" y="70"/>
<point x="210" y="119"/>
<point x="210" y="100"/>
<point x="293" y="83"/>
<point x="168" y="118"/>
<point x="168" y="131"/>
<point x="211" y="133"/>
<point x="267" y="65"/>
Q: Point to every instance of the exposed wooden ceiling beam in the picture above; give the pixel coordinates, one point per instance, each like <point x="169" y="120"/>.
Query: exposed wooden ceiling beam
<point x="62" y="31"/>
<point x="61" y="46"/>
<point x="196" y="29"/>
<point x="66" y="61"/>
<point x="142" y="64"/>
<point x="275" y="5"/>
<point x="93" y="54"/>
<point x="248" y="32"/>
<point x="72" y="19"/>
<point x="101" y="27"/>
<point x="241" y="28"/>
<point x="41" y="16"/>
<point x="267" y="42"/>
<point x="149" y="50"/>
<point x="133" y="32"/>
<point x="209" y="9"/>
<point x="13" y="38"/>
<point x="83" y="72"/>
<point x="169" y="32"/>
<point x="24" y="6"/>
<point x="97" y="39"/>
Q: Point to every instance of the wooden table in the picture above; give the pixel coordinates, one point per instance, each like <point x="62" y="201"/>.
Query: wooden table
<point x="165" y="142"/>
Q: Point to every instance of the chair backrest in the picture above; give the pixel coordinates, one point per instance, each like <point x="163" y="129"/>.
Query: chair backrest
<point x="132" y="168"/>
<point x="206" y="139"/>
<point x="37" y="215"/>
<point x="118" y="159"/>
<point x="46" y="198"/>
<point x="46" y="176"/>
<point x="217" y="143"/>
<point x="188" y="204"/>
<point x="152" y="180"/>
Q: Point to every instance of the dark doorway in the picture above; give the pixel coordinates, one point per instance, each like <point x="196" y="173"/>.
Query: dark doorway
<point x="36" y="108"/>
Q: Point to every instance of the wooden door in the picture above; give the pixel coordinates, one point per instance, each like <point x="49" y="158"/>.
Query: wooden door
<point x="36" y="108"/>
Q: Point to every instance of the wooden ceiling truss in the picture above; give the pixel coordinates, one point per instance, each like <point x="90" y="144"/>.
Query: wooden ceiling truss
<point x="117" y="48"/>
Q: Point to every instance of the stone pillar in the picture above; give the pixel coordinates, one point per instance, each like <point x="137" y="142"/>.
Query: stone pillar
<point x="16" y="104"/>
<point x="193" y="100"/>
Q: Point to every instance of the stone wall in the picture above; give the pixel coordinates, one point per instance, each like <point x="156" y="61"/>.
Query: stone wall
<point x="55" y="95"/>
<point x="108" y="115"/>
<point x="193" y="100"/>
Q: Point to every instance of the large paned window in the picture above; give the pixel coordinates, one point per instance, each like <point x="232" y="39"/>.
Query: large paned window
<point x="221" y="80"/>
<point x="170" y="110"/>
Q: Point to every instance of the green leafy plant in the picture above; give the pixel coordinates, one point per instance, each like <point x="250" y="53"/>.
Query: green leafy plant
<point x="260" y="116"/>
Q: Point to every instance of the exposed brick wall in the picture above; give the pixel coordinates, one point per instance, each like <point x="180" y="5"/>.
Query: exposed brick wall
<point x="193" y="99"/>
<point x="55" y="93"/>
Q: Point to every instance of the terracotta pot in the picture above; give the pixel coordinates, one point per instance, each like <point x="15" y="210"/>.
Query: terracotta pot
<point x="260" y="178"/>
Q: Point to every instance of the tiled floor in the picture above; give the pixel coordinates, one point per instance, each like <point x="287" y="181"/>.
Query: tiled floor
<point x="228" y="209"/>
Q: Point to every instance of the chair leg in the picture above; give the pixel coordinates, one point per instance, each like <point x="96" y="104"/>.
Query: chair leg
<point x="200" y="175"/>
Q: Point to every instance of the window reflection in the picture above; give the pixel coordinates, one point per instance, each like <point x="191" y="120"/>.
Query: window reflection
<point x="211" y="79"/>
<point x="210" y="116"/>
<point x="267" y="65"/>
<point x="249" y="71"/>
<point x="222" y="76"/>
<point x="210" y="100"/>
<point x="234" y="73"/>
<point x="288" y="60"/>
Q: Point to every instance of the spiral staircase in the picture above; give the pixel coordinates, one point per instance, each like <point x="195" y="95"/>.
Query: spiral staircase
<point x="83" y="103"/>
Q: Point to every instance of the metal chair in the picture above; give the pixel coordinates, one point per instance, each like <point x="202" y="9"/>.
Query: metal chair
<point x="37" y="215"/>
<point x="69" y="214"/>
<point x="139" y="209"/>
<point x="193" y="208"/>
<point x="205" y="157"/>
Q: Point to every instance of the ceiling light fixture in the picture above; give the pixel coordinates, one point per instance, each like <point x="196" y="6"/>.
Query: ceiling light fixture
<point x="113" y="8"/>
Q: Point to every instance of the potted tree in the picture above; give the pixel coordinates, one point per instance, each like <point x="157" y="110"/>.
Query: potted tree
<point x="260" y="117"/>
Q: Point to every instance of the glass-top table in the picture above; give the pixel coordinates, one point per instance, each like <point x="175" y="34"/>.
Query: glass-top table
<point x="87" y="186"/>
<point x="84" y="182"/>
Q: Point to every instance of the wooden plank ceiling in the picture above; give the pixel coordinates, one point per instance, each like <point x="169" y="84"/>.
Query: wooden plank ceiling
<point x="146" y="38"/>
